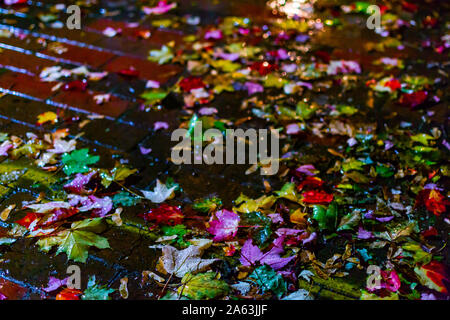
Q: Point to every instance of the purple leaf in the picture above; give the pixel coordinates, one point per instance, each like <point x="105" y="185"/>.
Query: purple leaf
<point x="251" y="254"/>
<point x="253" y="87"/>
<point x="54" y="284"/>
<point x="160" y="125"/>
<point x="81" y="180"/>
<point x="307" y="169"/>
<point x="364" y="234"/>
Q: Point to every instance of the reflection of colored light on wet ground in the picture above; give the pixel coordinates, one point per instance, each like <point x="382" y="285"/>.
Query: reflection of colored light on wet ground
<point x="292" y="8"/>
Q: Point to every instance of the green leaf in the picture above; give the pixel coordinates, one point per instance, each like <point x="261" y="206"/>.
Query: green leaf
<point x="358" y="177"/>
<point x="95" y="291"/>
<point x="225" y="65"/>
<point x="422" y="138"/>
<point x="170" y="183"/>
<point x="346" y="110"/>
<point x="352" y="164"/>
<point x="203" y="286"/>
<point x="78" y="161"/>
<point x="419" y="255"/>
<point x="262" y="234"/>
<point x="274" y="81"/>
<point x="125" y="199"/>
<point x="178" y="230"/>
<point x="75" y="242"/>
<point x="267" y="279"/>
<point x="288" y="192"/>
<point x="207" y="204"/>
<point x="3" y="136"/>
<point x="326" y="217"/>
<point x="305" y="111"/>
<point x="349" y="221"/>
<point x="384" y="171"/>
<point x="152" y="97"/>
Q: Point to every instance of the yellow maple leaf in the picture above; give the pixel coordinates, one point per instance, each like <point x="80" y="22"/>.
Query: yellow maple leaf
<point x="298" y="217"/>
<point x="48" y="116"/>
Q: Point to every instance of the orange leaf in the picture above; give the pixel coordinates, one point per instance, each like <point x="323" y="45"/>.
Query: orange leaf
<point x="69" y="294"/>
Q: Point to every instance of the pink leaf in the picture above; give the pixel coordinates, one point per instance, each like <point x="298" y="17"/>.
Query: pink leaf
<point x="4" y="147"/>
<point x="225" y="226"/>
<point x="99" y="206"/>
<point x="161" y="8"/>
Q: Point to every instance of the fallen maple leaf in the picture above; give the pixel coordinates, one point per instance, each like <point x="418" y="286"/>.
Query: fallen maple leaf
<point x="99" y="206"/>
<point x="75" y="242"/>
<point x="61" y="146"/>
<point x="203" y="286"/>
<point x="160" y="193"/>
<point x="180" y="262"/>
<point x="48" y="116"/>
<point x="78" y="184"/>
<point x="226" y="225"/>
<point x="77" y="161"/>
<point x="251" y="254"/>
<point x="165" y="214"/>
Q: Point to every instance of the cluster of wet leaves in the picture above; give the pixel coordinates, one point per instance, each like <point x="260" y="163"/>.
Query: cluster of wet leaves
<point x="357" y="176"/>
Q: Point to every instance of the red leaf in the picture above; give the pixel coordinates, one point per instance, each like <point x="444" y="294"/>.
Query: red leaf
<point x="165" y="214"/>
<point x="77" y="85"/>
<point x="323" y="55"/>
<point x="316" y="197"/>
<point x="58" y="215"/>
<point x="190" y="83"/>
<point x="433" y="200"/>
<point x="312" y="182"/>
<point x="429" y="21"/>
<point x="393" y="84"/>
<point x="28" y="219"/>
<point x="411" y="7"/>
<point x="433" y="276"/>
<point x="431" y="232"/>
<point x="412" y="100"/>
<point x="130" y="72"/>
<point x="263" y="67"/>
